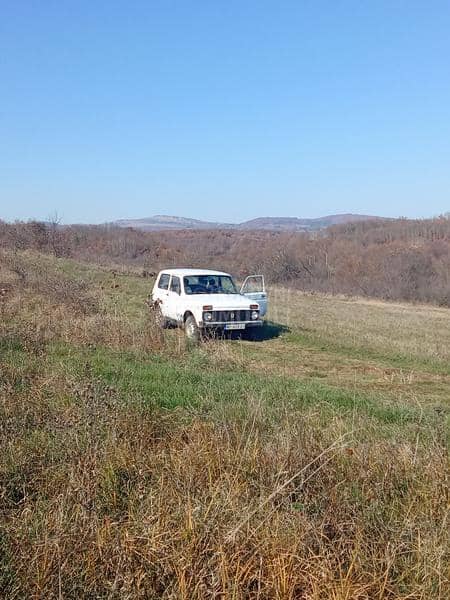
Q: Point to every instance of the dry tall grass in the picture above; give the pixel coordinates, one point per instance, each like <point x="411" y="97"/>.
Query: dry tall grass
<point x="41" y="303"/>
<point x="102" y="501"/>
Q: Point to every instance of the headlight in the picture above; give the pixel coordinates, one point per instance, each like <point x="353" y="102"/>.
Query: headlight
<point x="254" y="315"/>
<point x="207" y="316"/>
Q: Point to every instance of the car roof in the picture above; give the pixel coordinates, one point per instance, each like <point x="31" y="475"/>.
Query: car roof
<point x="190" y="271"/>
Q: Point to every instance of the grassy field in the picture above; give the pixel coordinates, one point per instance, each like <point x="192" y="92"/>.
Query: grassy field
<point x="311" y="464"/>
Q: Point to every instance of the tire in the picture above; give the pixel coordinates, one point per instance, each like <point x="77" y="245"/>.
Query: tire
<point x="191" y="330"/>
<point x="160" y="320"/>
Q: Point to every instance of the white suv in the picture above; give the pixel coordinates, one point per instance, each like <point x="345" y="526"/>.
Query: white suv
<point x="201" y="299"/>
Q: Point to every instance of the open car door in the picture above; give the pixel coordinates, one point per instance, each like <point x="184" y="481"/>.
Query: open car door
<point x="254" y="288"/>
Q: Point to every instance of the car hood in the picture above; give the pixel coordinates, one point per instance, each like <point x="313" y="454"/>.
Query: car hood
<point x="222" y="301"/>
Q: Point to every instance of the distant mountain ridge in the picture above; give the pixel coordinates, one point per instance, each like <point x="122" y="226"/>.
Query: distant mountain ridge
<point x="168" y="222"/>
<point x="165" y="222"/>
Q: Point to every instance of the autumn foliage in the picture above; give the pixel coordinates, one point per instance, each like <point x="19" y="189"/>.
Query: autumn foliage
<point x="390" y="259"/>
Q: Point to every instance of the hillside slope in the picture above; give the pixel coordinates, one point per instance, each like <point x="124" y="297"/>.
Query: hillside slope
<point x="313" y="461"/>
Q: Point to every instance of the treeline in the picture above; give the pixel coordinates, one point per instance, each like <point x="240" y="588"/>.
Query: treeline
<point x="397" y="260"/>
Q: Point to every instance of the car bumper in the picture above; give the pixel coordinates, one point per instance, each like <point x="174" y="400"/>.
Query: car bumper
<point x="222" y="325"/>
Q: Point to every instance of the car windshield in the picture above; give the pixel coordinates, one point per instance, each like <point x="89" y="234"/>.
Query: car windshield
<point x="209" y="284"/>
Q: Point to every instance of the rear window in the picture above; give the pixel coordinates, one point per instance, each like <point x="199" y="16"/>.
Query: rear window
<point x="163" y="282"/>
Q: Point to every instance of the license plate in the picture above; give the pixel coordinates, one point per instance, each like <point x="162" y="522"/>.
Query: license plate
<point x="235" y="326"/>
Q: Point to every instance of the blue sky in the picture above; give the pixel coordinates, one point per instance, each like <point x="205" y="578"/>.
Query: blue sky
<point x="224" y="110"/>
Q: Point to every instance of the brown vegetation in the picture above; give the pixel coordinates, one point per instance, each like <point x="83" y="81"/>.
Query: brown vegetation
<point x="103" y="501"/>
<point x="40" y="303"/>
<point x="395" y="260"/>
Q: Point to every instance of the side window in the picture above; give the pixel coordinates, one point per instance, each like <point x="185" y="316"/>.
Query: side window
<point x="163" y="282"/>
<point x="175" y="285"/>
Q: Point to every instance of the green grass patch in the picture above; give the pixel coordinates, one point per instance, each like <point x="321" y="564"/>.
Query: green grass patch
<point x="157" y="381"/>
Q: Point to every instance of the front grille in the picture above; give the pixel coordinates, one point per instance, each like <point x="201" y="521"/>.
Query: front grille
<point x="225" y="316"/>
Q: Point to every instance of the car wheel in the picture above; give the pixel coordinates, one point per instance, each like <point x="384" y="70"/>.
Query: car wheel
<point x="160" y="320"/>
<point x="191" y="330"/>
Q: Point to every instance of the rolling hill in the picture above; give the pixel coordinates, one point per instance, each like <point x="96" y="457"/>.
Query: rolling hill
<point x="159" y="222"/>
